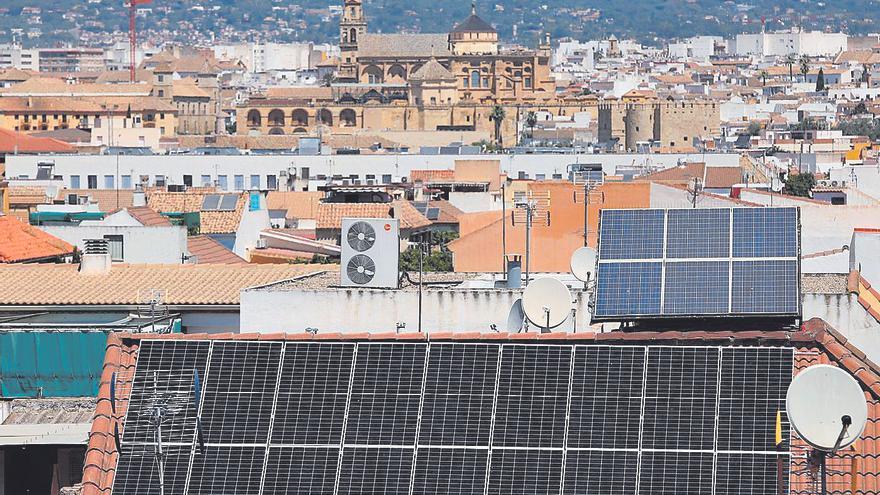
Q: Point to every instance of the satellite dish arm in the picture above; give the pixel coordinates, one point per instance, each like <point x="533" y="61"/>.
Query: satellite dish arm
<point x="846" y="420"/>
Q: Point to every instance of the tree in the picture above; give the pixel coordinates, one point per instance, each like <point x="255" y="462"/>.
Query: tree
<point x="764" y="76"/>
<point x="820" y="81"/>
<point x="790" y="60"/>
<point x="328" y="79"/>
<point x="531" y="122"/>
<point x="805" y="66"/>
<point x="497" y="117"/>
<point x="438" y="258"/>
<point x="754" y="128"/>
<point x="799" y="185"/>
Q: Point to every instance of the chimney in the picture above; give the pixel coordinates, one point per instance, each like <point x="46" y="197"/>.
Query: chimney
<point x="514" y="271"/>
<point x="95" y="257"/>
<point x="138" y="198"/>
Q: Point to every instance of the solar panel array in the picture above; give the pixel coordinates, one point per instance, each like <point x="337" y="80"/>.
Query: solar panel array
<point x="697" y="262"/>
<point x="455" y="418"/>
<point x="219" y="202"/>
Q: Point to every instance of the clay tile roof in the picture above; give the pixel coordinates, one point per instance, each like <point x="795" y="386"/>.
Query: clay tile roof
<point x="107" y="199"/>
<point x="208" y="250"/>
<point x="432" y="71"/>
<point x="211" y="222"/>
<point x="27" y="195"/>
<point x="298" y="204"/>
<point x="428" y="176"/>
<point x="815" y="343"/>
<point x="473" y="24"/>
<point x="124" y="284"/>
<point x="20" y="242"/>
<point x="12" y="142"/>
<point x="403" y="45"/>
<point x="448" y="212"/>
<point x="723" y="177"/>
<point x="681" y="173"/>
<point x="148" y="217"/>
<point x="330" y="215"/>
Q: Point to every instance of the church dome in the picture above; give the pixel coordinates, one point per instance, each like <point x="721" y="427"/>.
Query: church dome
<point x="474" y="24"/>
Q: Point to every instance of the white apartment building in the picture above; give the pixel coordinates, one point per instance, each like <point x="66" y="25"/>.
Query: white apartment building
<point x="697" y="48"/>
<point x="267" y="57"/>
<point x="13" y="55"/>
<point x="799" y="43"/>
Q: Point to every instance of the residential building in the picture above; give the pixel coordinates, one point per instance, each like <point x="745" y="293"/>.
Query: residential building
<point x="71" y="59"/>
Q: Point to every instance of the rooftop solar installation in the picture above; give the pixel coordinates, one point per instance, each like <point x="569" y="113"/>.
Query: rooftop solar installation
<point x="715" y="262"/>
<point x="455" y="418"/>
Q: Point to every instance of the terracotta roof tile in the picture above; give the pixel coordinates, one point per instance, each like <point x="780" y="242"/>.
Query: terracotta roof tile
<point x="208" y="250"/>
<point x="211" y="222"/>
<point x="20" y="242"/>
<point x="63" y="284"/>
<point x="428" y="176"/>
<point x="299" y="204"/>
<point x="330" y="215"/>
<point x="107" y="199"/>
<point x="16" y="142"/>
<point x="148" y="217"/>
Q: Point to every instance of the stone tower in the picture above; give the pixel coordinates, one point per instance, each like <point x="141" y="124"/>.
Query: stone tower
<point x="352" y="26"/>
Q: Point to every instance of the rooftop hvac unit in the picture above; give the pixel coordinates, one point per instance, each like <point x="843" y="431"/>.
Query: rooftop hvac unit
<point x="370" y="252"/>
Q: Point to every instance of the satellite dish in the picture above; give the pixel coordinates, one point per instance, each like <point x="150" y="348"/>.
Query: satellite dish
<point x="546" y="302"/>
<point x="826" y="407"/>
<point x="516" y="317"/>
<point x="583" y="263"/>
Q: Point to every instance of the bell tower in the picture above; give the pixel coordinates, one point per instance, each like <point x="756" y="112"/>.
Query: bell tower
<point x="352" y="26"/>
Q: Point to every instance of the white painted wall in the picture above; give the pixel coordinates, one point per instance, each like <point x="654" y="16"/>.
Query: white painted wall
<point x="141" y="244"/>
<point x="363" y="310"/>
<point x="844" y="313"/>
<point x="470" y="202"/>
<point x="252" y="223"/>
<point x="173" y="167"/>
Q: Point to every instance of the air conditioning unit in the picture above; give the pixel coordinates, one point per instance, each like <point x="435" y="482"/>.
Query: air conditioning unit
<point x="262" y="244"/>
<point x="370" y="252"/>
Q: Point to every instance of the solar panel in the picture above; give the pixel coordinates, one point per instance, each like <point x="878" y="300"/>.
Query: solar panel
<point x="228" y="202"/>
<point x="458" y="418"/>
<point x="697" y="262"/>
<point x="432" y="213"/>
<point x="211" y="202"/>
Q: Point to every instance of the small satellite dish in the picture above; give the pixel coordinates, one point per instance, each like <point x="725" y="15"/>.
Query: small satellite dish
<point x="516" y="317"/>
<point x="546" y="302"/>
<point x="826" y="407"/>
<point x="583" y="263"/>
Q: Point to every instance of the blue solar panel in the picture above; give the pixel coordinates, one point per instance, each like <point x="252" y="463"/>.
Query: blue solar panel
<point x="697" y="287"/>
<point x="631" y="234"/>
<point x="765" y="232"/>
<point x="765" y="286"/>
<point x="688" y="255"/>
<point x="628" y="289"/>
<point x="703" y="233"/>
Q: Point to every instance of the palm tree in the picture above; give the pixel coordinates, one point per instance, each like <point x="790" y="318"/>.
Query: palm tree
<point x="805" y="66"/>
<point x="497" y="116"/>
<point x="790" y="59"/>
<point x="531" y="122"/>
<point x="764" y="76"/>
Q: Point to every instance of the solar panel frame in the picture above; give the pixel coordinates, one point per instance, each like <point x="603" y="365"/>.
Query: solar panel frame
<point x="593" y="455"/>
<point x="696" y="245"/>
<point x="211" y="202"/>
<point x="228" y="202"/>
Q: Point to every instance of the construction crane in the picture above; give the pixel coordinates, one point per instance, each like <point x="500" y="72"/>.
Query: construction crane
<point x="132" y="33"/>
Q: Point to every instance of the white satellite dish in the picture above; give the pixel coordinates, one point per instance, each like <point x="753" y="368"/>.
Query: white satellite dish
<point x="826" y="407"/>
<point x="546" y="302"/>
<point x="583" y="264"/>
<point x="516" y="317"/>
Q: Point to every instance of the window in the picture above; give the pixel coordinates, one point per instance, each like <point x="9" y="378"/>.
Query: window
<point x="108" y="182"/>
<point x="540" y="176"/>
<point x="188" y="180"/>
<point x="223" y="182"/>
<point x="255" y="182"/>
<point x="160" y="181"/>
<point x="528" y="82"/>
<point x="304" y="172"/>
<point x="115" y="243"/>
<point x="126" y="182"/>
<point x="239" y="182"/>
<point x="475" y="79"/>
<point x="92" y="181"/>
<point x="206" y="181"/>
<point x="433" y="100"/>
<point x="74" y="182"/>
<point x="386" y="178"/>
<point x="271" y="182"/>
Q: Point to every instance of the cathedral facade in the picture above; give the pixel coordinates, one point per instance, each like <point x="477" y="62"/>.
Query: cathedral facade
<point x="465" y="65"/>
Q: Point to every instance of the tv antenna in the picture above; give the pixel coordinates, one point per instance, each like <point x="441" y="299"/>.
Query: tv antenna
<point x="589" y="178"/>
<point x="546" y="303"/>
<point x="827" y="409"/>
<point x="161" y="408"/>
<point x="530" y="207"/>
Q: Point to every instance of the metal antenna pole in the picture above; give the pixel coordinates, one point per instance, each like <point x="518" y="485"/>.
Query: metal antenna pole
<point x="421" y="274"/>
<point x="586" y="210"/>
<point x="528" y="239"/>
<point x="823" y="490"/>
<point x="503" y="228"/>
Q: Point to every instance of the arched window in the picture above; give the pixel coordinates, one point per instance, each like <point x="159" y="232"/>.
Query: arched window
<point x="373" y="75"/>
<point x="353" y="35"/>
<point x="276" y="131"/>
<point x="397" y="73"/>
<point x="475" y="79"/>
<point x="348" y="118"/>
<point x="276" y="117"/>
<point x="300" y="117"/>
<point x="254" y="118"/>
<point x="326" y="117"/>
